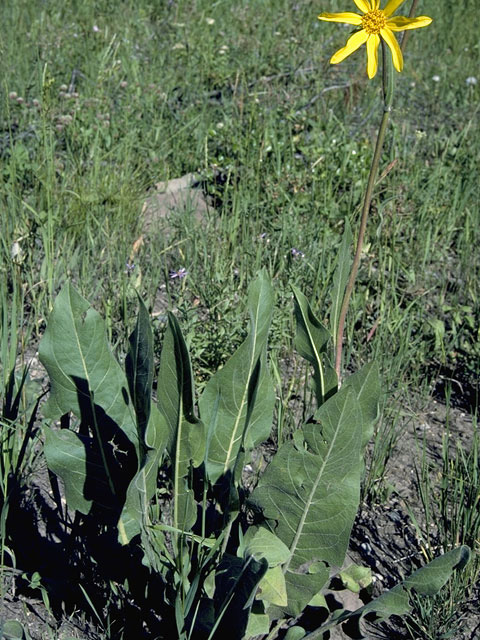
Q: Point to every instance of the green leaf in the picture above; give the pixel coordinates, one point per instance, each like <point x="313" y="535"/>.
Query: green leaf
<point x="152" y="429"/>
<point x="273" y="588"/>
<point x="81" y="366"/>
<point x="13" y="630"/>
<point x="237" y="402"/>
<point x="340" y="278"/>
<point x="427" y="581"/>
<point x="78" y="461"/>
<point x="186" y="436"/>
<point x="139" y="368"/>
<point x="302" y="587"/>
<point x="312" y="493"/>
<point x="209" y="584"/>
<point x="261" y="543"/>
<point x="65" y="453"/>
<point x="367" y="386"/>
<point x="295" y="633"/>
<point x="355" y="578"/>
<point x="141" y="490"/>
<point x="311" y="342"/>
<point x="96" y="463"/>
<point x="309" y="495"/>
<point x="318" y="600"/>
<point x="258" y="625"/>
<point x="236" y="582"/>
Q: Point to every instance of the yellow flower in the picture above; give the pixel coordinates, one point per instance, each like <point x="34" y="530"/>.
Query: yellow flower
<point x="374" y="23"/>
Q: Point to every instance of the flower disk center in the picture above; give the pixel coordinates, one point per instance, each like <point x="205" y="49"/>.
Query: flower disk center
<point x="373" y="21"/>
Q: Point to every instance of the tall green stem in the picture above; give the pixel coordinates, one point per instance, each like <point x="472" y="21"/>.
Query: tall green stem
<point x="387" y="108"/>
<point x="413" y="9"/>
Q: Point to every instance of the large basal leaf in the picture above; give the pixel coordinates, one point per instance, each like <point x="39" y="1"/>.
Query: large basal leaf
<point x="258" y="625"/>
<point x="367" y="386"/>
<point x="272" y="587"/>
<point x="87" y="381"/>
<point x="237" y="402"/>
<point x="262" y="543"/>
<point x="139" y="367"/>
<point x="186" y="435"/>
<point x="92" y="477"/>
<point x="236" y="582"/>
<point x="309" y="494"/>
<point x="311" y="342"/>
<point x="81" y="367"/>
<point x="426" y="581"/>
<point x="66" y="456"/>
<point x="302" y="587"/>
<point x="142" y="488"/>
<point x="152" y="429"/>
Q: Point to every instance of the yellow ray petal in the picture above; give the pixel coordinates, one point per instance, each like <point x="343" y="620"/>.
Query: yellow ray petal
<point x="375" y="4"/>
<point x="392" y="6"/>
<point x="363" y="5"/>
<point x="390" y="39"/>
<point x="353" y="43"/>
<point x="347" y="17"/>
<point x="372" y="55"/>
<point x="400" y="23"/>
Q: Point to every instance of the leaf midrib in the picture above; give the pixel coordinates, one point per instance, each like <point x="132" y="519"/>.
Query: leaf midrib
<point x="253" y="335"/>
<point x="87" y="377"/>
<point x="296" y="538"/>
<point x="317" y="355"/>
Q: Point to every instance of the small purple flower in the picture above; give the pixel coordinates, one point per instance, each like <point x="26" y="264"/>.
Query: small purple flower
<point x="296" y="253"/>
<point x="180" y="274"/>
<point x="130" y="266"/>
<point x="95" y="28"/>
<point x="264" y="238"/>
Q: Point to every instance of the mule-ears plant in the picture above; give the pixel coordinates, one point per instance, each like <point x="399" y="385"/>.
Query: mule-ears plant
<point x="176" y="484"/>
<point x="223" y="549"/>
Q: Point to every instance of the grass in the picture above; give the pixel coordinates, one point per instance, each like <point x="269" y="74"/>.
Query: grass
<point x="109" y="100"/>
<point x="450" y="493"/>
